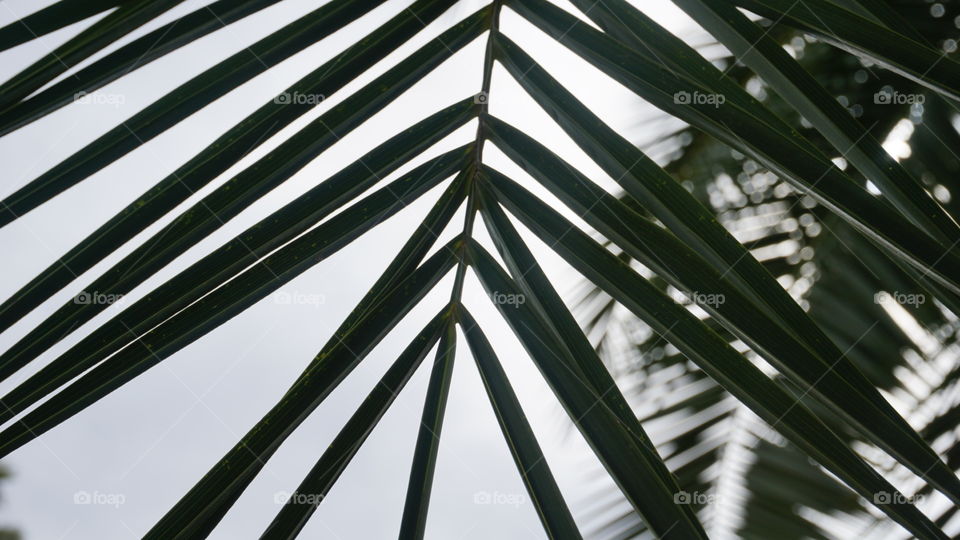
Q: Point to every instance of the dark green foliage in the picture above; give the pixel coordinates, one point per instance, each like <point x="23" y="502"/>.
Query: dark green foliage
<point x="779" y="246"/>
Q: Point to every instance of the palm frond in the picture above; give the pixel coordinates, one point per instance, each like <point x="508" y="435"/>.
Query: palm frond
<point x="757" y="380"/>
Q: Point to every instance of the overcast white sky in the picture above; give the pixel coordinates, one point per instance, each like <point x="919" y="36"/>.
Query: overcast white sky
<point x="152" y="440"/>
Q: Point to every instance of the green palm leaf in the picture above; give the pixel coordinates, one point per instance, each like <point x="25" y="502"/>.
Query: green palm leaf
<point x="815" y="373"/>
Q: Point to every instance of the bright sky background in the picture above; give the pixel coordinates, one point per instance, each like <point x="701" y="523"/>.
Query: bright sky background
<point x="153" y="439"/>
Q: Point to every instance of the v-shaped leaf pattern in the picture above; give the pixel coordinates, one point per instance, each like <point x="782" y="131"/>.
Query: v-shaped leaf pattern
<point x="657" y="223"/>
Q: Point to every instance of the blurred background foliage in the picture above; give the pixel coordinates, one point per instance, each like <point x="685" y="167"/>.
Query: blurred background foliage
<point x="747" y="480"/>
